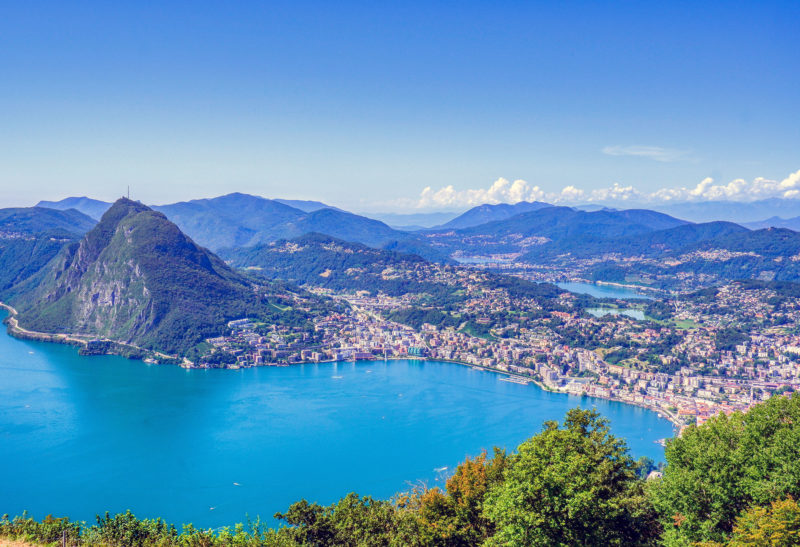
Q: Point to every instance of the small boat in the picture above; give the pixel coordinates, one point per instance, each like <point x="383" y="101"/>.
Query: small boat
<point x="515" y="380"/>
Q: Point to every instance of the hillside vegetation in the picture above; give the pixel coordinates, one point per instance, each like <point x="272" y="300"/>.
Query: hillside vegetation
<point x="30" y="237"/>
<point x="136" y="278"/>
<point x="732" y="481"/>
<point x="38" y="220"/>
<point x="432" y="293"/>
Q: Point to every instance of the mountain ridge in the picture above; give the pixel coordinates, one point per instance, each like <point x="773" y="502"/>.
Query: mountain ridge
<point x="37" y="220"/>
<point x="485" y="213"/>
<point x="91" y="207"/>
<point x="136" y="278"/>
<point x="30" y="237"/>
<point x="242" y="220"/>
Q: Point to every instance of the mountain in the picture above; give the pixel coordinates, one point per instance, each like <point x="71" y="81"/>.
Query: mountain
<point x="343" y="225"/>
<point x="591" y="207"/>
<point x="37" y="220"/>
<point x="232" y="220"/>
<point x="565" y="222"/>
<point x="564" y="226"/>
<point x="653" y="243"/>
<point x="305" y="205"/>
<point x="328" y="262"/>
<point x="678" y="238"/>
<point x="242" y="220"/>
<point x="95" y="208"/>
<point x="321" y="261"/>
<point x="770" y="243"/>
<point x="31" y="237"/>
<point x="733" y="211"/>
<point x="685" y="257"/>
<point x="22" y="257"/>
<point x="413" y="221"/>
<point x="226" y="221"/>
<point x="776" y="222"/>
<point x="768" y="254"/>
<point x="88" y="206"/>
<point x="628" y="246"/>
<point x="136" y="278"/>
<point x="489" y="213"/>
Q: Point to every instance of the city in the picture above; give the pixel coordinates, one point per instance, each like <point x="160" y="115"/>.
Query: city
<point x="682" y="367"/>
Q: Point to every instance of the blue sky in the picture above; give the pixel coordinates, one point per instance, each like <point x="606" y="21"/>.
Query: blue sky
<point x="365" y="105"/>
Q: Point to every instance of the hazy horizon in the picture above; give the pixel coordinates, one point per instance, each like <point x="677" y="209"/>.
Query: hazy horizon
<point x="750" y="213"/>
<point x="389" y="108"/>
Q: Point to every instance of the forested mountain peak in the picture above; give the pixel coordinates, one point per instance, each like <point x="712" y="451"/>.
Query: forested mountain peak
<point x="136" y="278"/>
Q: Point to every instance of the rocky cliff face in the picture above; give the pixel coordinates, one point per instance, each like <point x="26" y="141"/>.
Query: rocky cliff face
<point x="136" y="278"/>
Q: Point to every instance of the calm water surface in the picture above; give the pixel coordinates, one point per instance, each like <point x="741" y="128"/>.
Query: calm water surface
<point x="602" y="312"/>
<point x="82" y="435"/>
<point x="603" y="291"/>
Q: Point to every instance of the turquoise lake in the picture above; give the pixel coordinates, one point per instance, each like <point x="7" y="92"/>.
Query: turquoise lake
<point x="82" y="435"/>
<point x="603" y="291"/>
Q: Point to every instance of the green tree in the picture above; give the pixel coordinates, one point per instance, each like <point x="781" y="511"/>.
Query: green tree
<point x="352" y="521"/>
<point x="718" y="470"/>
<point x="571" y="485"/>
<point x="777" y="525"/>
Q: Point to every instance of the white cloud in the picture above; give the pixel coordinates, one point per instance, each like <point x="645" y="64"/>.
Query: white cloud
<point x="656" y="153"/>
<point x="505" y="191"/>
<point x="735" y="190"/>
<point x="501" y="191"/>
<point x="615" y="193"/>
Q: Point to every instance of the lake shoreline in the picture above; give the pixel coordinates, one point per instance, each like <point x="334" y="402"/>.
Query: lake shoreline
<point x="88" y="345"/>
<point x="117" y="348"/>
<point x="179" y="442"/>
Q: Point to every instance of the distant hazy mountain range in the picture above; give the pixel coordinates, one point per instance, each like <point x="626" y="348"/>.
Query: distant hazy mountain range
<point x="776" y="222"/>
<point x="88" y="206"/>
<point x="241" y="220"/>
<point x="628" y="246"/>
<point x="413" y="221"/>
<point x="489" y="213"/>
<point x="548" y="225"/>
<point x="732" y="211"/>
<point x="615" y="241"/>
<point x="756" y="212"/>
<point x="305" y="205"/>
<point x="35" y="220"/>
